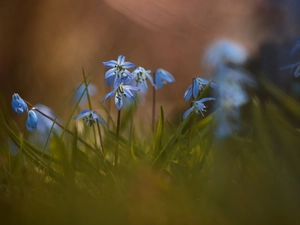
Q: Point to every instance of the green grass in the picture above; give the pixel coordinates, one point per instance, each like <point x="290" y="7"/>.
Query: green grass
<point x="176" y="175"/>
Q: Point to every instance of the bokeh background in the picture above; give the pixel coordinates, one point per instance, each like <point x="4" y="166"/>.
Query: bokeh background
<point x="45" y="44"/>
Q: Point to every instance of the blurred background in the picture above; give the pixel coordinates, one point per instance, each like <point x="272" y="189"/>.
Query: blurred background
<point x="45" y="44"/>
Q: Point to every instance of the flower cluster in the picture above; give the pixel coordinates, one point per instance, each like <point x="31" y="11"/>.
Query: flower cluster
<point x="19" y="106"/>
<point x="125" y="82"/>
<point x="196" y="88"/>
<point x="224" y="59"/>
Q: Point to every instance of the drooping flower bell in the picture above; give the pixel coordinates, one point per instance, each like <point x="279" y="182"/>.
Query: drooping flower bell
<point x="162" y="77"/>
<point x="120" y="92"/>
<point x="141" y="75"/>
<point x="198" y="107"/>
<point x="18" y="104"/>
<point x="90" y="117"/>
<point x="32" y="121"/>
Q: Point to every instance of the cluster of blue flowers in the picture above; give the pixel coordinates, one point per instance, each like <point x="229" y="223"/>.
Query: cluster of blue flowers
<point x="19" y="106"/>
<point x="195" y="90"/>
<point x="125" y="83"/>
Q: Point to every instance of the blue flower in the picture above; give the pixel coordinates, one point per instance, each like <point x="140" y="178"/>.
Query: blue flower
<point x="92" y="89"/>
<point x="198" y="107"/>
<point x="231" y="95"/>
<point x="120" y="92"/>
<point x="162" y="76"/>
<point x="140" y="75"/>
<point x="196" y="88"/>
<point x="32" y="121"/>
<point x="224" y="51"/>
<point x="90" y="117"/>
<point x="293" y="67"/>
<point x="18" y="104"/>
<point x="119" y="69"/>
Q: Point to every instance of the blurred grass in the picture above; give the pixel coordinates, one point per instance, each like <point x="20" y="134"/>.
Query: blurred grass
<point x="178" y="175"/>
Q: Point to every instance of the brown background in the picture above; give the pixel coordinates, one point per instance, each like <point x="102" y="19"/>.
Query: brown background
<point x="44" y="44"/>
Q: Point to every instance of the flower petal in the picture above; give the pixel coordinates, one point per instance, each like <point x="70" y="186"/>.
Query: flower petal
<point x="129" y="87"/>
<point x="110" y="73"/>
<point x="196" y="87"/>
<point x="296" y="47"/>
<point x="18" y="105"/>
<point x="127" y="93"/>
<point x="118" y="101"/>
<point x="83" y="114"/>
<point x="111" y="63"/>
<point x="291" y="66"/>
<point x="121" y="59"/>
<point x="128" y="65"/>
<point x="188" y="93"/>
<point x="109" y="94"/>
<point x="206" y="99"/>
<point x="188" y="112"/>
<point x="147" y="73"/>
<point x="97" y="118"/>
<point x="32" y="121"/>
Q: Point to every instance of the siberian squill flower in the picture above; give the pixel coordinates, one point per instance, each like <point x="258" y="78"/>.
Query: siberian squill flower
<point x="32" y="121"/>
<point x="140" y="75"/>
<point x="90" y="117"/>
<point x="118" y="70"/>
<point x="231" y="97"/>
<point x="198" y="107"/>
<point x="162" y="77"/>
<point x="120" y="92"/>
<point x="92" y="90"/>
<point x="196" y="88"/>
<point x="224" y="51"/>
<point x="226" y="59"/>
<point x="18" y="104"/>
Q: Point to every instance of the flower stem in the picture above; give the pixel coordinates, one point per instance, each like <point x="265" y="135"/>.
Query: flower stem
<point x="100" y="136"/>
<point x="153" y="103"/>
<point x="117" y="138"/>
<point x="108" y="108"/>
<point x="65" y="129"/>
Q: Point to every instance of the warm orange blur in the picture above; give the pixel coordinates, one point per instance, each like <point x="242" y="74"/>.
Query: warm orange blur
<point x="44" y="44"/>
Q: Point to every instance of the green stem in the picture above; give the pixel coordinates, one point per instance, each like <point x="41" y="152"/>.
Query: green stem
<point x="131" y="119"/>
<point x="117" y="138"/>
<point x="89" y="101"/>
<point x="108" y="107"/>
<point x="153" y="104"/>
<point x="100" y="136"/>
